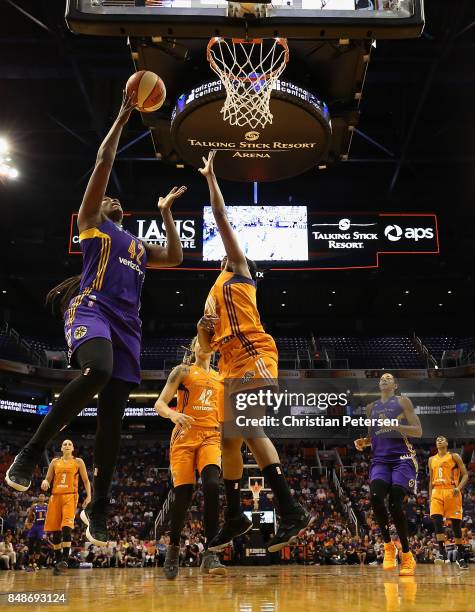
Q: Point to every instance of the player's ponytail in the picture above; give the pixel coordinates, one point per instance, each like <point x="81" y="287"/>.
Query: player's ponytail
<point x="60" y="296"/>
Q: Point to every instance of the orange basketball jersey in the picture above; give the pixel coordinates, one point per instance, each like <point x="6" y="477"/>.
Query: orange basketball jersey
<point x="233" y="299"/>
<point x="65" y="479"/>
<point x="199" y="396"/>
<point x="445" y="472"/>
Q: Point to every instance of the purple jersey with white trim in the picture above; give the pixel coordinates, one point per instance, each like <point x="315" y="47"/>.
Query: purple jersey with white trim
<point x="387" y="444"/>
<point x="40" y="514"/>
<point x="114" y="262"/>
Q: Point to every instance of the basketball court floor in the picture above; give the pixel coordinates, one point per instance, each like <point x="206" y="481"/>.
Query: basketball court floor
<point x="253" y="589"/>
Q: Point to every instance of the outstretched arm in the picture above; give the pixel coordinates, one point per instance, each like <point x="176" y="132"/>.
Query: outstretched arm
<point x="172" y="254"/>
<point x="90" y="210"/>
<point x="168" y="391"/>
<point x="233" y="250"/>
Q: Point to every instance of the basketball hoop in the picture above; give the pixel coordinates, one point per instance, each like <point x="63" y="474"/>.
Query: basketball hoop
<point x="249" y="70"/>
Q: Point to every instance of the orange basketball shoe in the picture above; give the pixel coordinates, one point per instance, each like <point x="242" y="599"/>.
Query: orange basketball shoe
<point x="408" y="564"/>
<point x="390" y="552"/>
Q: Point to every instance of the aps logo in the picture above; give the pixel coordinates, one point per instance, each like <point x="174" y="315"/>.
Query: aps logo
<point x="395" y="233"/>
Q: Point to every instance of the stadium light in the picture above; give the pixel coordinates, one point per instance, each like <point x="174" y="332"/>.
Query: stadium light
<point x="7" y="171"/>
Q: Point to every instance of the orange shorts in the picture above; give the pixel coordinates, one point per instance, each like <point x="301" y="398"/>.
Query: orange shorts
<point x="193" y="450"/>
<point x="444" y="502"/>
<point x="249" y="365"/>
<point x="61" y="511"/>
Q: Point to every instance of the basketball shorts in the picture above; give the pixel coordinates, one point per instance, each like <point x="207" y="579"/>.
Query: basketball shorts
<point x="402" y="472"/>
<point x="37" y="532"/>
<point x="246" y="364"/>
<point x="445" y="503"/>
<point x="91" y="319"/>
<point x="61" y="511"/>
<point x="193" y="450"/>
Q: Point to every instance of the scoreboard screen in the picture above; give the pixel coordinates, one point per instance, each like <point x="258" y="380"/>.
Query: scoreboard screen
<point x="289" y="237"/>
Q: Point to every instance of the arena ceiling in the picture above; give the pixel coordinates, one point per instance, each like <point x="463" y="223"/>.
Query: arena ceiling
<point x="413" y="151"/>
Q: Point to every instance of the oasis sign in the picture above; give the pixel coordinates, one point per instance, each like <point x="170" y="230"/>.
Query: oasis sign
<point x="149" y="228"/>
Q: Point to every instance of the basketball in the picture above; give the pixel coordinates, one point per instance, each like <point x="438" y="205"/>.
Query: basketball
<point x="149" y="89"/>
<point x="223" y="381"/>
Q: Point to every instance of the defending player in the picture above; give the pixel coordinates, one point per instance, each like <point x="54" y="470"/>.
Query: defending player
<point x="447" y="478"/>
<point x="393" y="470"/>
<point x="35" y="523"/>
<point x="195" y="445"/>
<point x="232" y="325"/>
<point x="102" y="327"/>
<point x="63" y="475"/>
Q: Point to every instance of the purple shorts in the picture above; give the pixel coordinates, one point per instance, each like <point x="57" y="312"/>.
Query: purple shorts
<point x="123" y="329"/>
<point x="37" y="532"/>
<point x="402" y="472"/>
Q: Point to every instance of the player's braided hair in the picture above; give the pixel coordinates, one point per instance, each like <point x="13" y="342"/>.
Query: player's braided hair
<point x="189" y="356"/>
<point x="60" y="296"/>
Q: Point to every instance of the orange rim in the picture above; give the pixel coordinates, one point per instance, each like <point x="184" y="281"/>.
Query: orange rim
<point x="244" y="41"/>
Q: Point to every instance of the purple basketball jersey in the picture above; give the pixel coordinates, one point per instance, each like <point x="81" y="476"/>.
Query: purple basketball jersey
<point x="114" y="263"/>
<point x="389" y="445"/>
<point x="40" y="513"/>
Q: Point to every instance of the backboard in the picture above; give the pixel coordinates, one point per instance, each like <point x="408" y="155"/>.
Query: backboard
<point x="298" y="19"/>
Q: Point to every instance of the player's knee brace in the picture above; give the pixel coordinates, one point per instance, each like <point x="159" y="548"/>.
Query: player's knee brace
<point x="438" y="523"/>
<point x="66" y="534"/>
<point x="457" y="527"/>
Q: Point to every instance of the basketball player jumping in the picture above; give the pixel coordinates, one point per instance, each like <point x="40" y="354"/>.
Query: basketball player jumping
<point x="195" y="445"/>
<point x="447" y="478"/>
<point x="35" y="523"/>
<point x="102" y="326"/>
<point x="63" y="475"/>
<point x="232" y="325"/>
<point x="393" y="470"/>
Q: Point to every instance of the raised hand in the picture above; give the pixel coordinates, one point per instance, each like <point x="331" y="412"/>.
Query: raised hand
<point x="129" y="102"/>
<point x="165" y="203"/>
<point x="208" y="169"/>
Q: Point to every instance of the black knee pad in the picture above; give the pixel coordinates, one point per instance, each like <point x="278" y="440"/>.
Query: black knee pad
<point x="457" y="528"/>
<point x="210" y="476"/>
<point x="438" y="523"/>
<point x="66" y="534"/>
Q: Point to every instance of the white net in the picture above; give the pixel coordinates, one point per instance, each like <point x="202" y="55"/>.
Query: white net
<point x="249" y="70"/>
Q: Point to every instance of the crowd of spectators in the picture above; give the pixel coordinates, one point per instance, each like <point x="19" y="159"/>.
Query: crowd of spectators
<point x="141" y="484"/>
